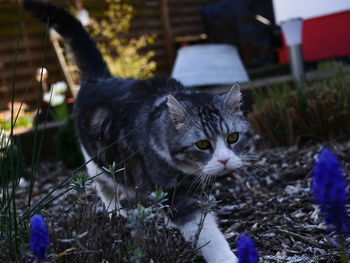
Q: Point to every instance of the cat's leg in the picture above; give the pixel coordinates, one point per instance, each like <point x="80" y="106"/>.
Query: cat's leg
<point x="107" y="188"/>
<point x="212" y="243"/>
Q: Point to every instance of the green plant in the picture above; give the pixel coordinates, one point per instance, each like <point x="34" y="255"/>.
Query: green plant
<point x="126" y="57"/>
<point x="13" y="224"/>
<point x="24" y="121"/>
<point x="11" y="160"/>
<point x="283" y="115"/>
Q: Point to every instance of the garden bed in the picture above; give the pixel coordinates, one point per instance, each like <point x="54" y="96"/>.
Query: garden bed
<point x="273" y="205"/>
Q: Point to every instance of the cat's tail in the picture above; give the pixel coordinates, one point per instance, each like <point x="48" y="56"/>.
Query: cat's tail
<point x="87" y="56"/>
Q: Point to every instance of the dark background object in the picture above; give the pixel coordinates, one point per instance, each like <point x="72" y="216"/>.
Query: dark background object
<point x="11" y="163"/>
<point x="220" y="21"/>
<point x="67" y="146"/>
<point x="234" y="22"/>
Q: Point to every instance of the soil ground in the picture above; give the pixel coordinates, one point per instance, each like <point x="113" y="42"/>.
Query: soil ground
<point x="272" y="203"/>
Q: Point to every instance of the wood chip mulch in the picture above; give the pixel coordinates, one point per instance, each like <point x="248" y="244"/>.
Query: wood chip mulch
<point x="272" y="203"/>
<point x="276" y="207"/>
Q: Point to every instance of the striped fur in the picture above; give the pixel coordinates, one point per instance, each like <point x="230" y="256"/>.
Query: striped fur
<point x="150" y="129"/>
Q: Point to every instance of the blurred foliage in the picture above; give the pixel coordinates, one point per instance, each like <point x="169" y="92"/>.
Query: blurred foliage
<point x="11" y="160"/>
<point x="87" y="234"/>
<point x="285" y="115"/>
<point x="102" y="237"/>
<point x="67" y="145"/>
<point x="126" y="57"/>
<point x="24" y="120"/>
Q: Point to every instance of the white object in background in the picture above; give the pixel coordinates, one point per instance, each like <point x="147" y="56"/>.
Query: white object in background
<point x="305" y="9"/>
<point x="292" y="30"/>
<point x="4" y="141"/>
<point x="208" y="65"/>
<point x="83" y="16"/>
<point x="59" y="87"/>
<point x="54" y="34"/>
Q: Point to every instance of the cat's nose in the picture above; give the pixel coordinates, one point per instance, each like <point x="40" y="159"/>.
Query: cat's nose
<point x="224" y="162"/>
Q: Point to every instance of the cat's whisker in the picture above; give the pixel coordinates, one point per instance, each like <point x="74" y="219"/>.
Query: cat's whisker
<point x="191" y="173"/>
<point x="201" y="180"/>
<point x="205" y="180"/>
<point x="209" y="179"/>
<point x="200" y="183"/>
<point x="194" y="183"/>
<point x="266" y="172"/>
<point x="250" y="157"/>
<point x="254" y="180"/>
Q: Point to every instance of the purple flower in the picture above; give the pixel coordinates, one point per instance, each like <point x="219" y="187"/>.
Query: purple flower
<point x="329" y="190"/>
<point x="246" y="250"/>
<point x="39" y="237"/>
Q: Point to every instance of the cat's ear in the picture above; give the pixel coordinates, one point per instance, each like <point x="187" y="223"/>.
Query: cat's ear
<point x="176" y="110"/>
<point x="233" y="98"/>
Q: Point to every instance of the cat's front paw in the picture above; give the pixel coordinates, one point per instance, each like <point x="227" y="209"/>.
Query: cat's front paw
<point x="231" y="258"/>
<point x="228" y="258"/>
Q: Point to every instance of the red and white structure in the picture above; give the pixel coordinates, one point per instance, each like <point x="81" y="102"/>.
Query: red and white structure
<point x="325" y="30"/>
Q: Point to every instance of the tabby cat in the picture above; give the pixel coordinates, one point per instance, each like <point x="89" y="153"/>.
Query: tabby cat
<point x="162" y="134"/>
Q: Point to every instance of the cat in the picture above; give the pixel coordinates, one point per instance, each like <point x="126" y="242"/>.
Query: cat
<point x="162" y="134"/>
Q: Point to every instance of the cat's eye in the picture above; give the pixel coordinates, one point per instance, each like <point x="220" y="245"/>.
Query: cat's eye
<point x="232" y="138"/>
<point x="203" y="144"/>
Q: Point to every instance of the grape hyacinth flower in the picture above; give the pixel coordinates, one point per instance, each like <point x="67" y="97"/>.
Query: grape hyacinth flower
<point x="39" y="237"/>
<point x="329" y="190"/>
<point x="246" y="250"/>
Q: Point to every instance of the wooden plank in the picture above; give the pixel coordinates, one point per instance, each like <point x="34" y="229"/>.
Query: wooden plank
<point x="186" y="20"/>
<point x="190" y="30"/>
<point x="21" y="84"/>
<point x="25" y="57"/>
<point x="12" y="30"/>
<point x="35" y="42"/>
<point x="22" y="81"/>
<point x="26" y="71"/>
<point x="154" y="22"/>
<point x="168" y="33"/>
<point x="65" y="68"/>
<point x="50" y="65"/>
<point x="185" y="10"/>
<point x="40" y="128"/>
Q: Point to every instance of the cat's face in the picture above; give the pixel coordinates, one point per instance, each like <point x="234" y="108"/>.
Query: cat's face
<point x="210" y="133"/>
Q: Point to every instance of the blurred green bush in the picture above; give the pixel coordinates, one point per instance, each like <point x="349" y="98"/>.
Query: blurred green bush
<point x="286" y="115"/>
<point x="11" y="160"/>
<point x="126" y="57"/>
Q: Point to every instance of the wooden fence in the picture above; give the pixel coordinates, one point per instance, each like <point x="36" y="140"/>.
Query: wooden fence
<point x="23" y="48"/>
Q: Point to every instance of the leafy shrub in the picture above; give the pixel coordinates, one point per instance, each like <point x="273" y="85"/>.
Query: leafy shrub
<point x="11" y="160"/>
<point x="283" y="115"/>
<point x="126" y="57"/>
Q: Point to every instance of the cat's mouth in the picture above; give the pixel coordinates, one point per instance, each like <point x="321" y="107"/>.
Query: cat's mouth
<point x="222" y="172"/>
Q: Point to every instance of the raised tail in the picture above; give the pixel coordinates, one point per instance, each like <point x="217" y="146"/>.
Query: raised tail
<point x="88" y="58"/>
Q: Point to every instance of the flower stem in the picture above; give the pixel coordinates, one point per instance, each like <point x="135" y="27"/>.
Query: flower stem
<point x="344" y="256"/>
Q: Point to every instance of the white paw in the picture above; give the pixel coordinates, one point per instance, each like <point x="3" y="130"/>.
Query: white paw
<point x="228" y="259"/>
<point x="234" y="260"/>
